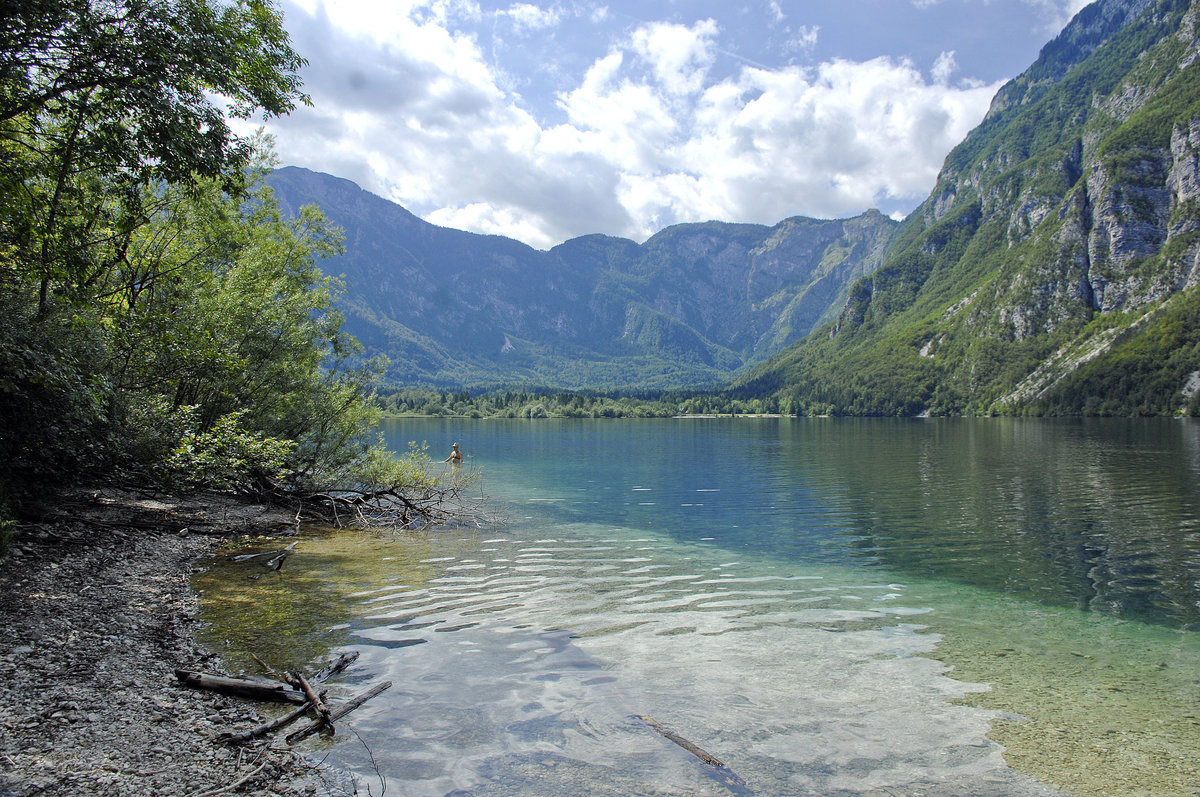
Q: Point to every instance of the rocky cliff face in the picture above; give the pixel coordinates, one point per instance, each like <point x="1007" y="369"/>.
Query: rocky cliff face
<point x="1098" y="202"/>
<point x="1122" y="239"/>
<point x="1058" y="231"/>
<point x="693" y="304"/>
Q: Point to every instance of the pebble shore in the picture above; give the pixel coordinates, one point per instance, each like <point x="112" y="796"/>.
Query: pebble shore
<point x="96" y="613"/>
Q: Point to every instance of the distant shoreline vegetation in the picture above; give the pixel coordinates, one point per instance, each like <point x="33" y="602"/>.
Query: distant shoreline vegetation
<point x="546" y="403"/>
<point x="532" y="403"/>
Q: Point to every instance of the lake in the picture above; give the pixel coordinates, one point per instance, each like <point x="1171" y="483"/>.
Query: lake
<point x="827" y="606"/>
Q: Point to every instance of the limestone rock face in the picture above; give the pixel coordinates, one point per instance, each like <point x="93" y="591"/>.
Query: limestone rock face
<point x="1094" y="211"/>
<point x="1062" y="228"/>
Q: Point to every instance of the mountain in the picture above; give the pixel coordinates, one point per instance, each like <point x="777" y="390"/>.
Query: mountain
<point x="1054" y="267"/>
<point x="693" y="305"/>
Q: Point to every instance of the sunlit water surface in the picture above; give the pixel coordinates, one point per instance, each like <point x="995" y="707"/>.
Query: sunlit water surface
<point x="826" y="606"/>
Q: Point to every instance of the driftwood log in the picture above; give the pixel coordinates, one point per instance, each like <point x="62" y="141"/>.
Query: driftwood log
<point x="310" y="700"/>
<point x="259" y="731"/>
<point x="274" y="558"/>
<point x="314" y="700"/>
<point x="679" y="740"/>
<point x="723" y="773"/>
<point x="267" y="667"/>
<point x="242" y="687"/>
<point x="343" y="661"/>
<point x="339" y="712"/>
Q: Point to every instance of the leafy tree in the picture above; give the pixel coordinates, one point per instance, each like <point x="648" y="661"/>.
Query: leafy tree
<point x="221" y="312"/>
<point x="164" y="322"/>
<point x="102" y="105"/>
<point x="99" y="98"/>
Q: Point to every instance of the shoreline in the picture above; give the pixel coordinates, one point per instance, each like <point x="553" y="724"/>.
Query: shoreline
<point x="97" y="612"/>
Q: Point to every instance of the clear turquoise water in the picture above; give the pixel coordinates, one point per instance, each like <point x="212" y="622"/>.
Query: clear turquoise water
<point x="828" y="606"/>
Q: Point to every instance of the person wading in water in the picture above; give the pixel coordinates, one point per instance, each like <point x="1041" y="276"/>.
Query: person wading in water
<point x="455" y="457"/>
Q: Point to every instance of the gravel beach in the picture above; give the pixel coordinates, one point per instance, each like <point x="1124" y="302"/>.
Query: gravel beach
<point x="96" y="613"/>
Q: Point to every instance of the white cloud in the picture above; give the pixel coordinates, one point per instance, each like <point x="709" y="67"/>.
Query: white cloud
<point x="527" y="17"/>
<point x="410" y="108"/>
<point x="483" y="218"/>
<point x="680" y="55"/>
<point x="1056" y="13"/>
<point x="943" y="68"/>
<point x="771" y="143"/>
<point x="629" y="122"/>
<point x="828" y="141"/>
<point x="806" y="36"/>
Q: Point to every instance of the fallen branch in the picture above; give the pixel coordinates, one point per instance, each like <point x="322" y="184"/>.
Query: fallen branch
<point x="237" y="784"/>
<point x="242" y="687"/>
<point x="314" y="699"/>
<point x="265" y="666"/>
<point x="726" y="775"/>
<point x="339" y="712"/>
<point x="439" y="503"/>
<point x="275" y="554"/>
<point x="259" y="731"/>
<point x="343" y="661"/>
<point x="374" y="765"/>
<point x="679" y="740"/>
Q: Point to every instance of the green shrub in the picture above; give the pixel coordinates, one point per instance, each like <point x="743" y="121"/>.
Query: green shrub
<point x="225" y="457"/>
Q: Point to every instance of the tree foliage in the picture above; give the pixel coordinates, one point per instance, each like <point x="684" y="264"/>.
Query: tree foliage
<point x="164" y="322"/>
<point x="100" y="98"/>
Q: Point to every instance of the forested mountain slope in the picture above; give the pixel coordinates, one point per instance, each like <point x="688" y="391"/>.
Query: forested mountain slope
<point x="1054" y="267"/>
<point x="692" y="305"/>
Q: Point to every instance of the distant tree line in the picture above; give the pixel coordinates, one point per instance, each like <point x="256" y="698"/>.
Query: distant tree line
<point x="547" y="403"/>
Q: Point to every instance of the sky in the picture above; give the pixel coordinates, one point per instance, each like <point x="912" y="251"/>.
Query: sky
<point x="544" y="121"/>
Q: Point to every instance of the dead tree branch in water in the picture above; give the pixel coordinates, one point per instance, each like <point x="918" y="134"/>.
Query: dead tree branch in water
<point x="441" y="503"/>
